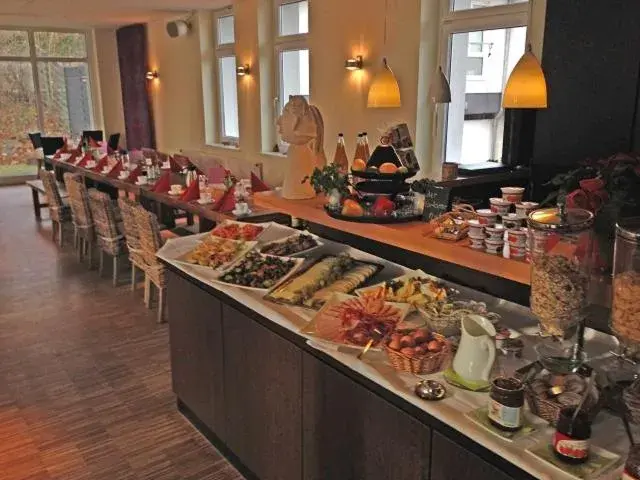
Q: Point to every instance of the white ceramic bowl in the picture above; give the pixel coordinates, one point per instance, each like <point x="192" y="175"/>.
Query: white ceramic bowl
<point x="500" y="205"/>
<point x="487" y="217"/>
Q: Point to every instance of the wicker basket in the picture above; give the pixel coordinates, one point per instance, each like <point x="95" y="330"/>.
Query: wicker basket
<point x="549" y="409"/>
<point x="422" y="365"/>
<point x="461" y="211"/>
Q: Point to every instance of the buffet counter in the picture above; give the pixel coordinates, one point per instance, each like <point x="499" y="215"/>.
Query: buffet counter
<point x="280" y="404"/>
<point x="416" y="238"/>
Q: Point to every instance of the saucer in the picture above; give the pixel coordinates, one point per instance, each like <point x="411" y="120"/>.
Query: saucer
<point x="141" y="184"/>
<point x="175" y="194"/>
<point x="203" y="202"/>
<point x="238" y="214"/>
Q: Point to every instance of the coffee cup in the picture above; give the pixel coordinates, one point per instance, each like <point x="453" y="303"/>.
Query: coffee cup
<point x="176" y="188"/>
<point x="142" y="179"/>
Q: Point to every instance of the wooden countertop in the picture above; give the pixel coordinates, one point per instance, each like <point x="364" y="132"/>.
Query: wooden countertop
<point x="414" y="237"/>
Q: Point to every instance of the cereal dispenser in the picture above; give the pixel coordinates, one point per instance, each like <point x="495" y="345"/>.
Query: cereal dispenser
<point x="625" y="307"/>
<point x="560" y="243"/>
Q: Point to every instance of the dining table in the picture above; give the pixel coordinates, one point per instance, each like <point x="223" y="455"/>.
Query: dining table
<point x="164" y="205"/>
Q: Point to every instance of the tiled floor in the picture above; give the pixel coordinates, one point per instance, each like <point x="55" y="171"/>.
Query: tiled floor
<point x="85" y="383"/>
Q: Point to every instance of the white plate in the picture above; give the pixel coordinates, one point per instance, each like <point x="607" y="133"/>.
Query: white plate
<point x="265" y="226"/>
<point x="247" y="248"/>
<point x="302" y="252"/>
<point x="417" y="273"/>
<point x="298" y="263"/>
<point x="141" y="184"/>
<point x="203" y="202"/>
<point x="174" y="194"/>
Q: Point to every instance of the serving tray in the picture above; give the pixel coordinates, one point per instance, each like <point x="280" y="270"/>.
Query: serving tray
<point x="371" y="218"/>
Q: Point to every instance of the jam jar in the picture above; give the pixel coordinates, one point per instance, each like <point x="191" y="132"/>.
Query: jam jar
<point x="572" y="437"/>
<point x="632" y="466"/>
<point x="506" y="402"/>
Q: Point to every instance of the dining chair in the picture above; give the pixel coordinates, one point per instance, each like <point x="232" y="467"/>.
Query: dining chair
<point x="114" y="141"/>
<point x="59" y="212"/>
<point x="150" y="243"/>
<point x="50" y="145"/>
<point x="84" y="233"/>
<point x="97" y="135"/>
<point x="109" y="233"/>
<point x="132" y="237"/>
<point x="36" y="140"/>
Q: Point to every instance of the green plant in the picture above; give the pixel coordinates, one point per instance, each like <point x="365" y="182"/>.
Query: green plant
<point x="328" y="179"/>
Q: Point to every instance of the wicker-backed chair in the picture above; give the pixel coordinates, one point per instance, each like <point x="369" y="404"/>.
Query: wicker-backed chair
<point x="59" y="212"/>
<point x="109" y="233"/>
<point x="84" y="233"/>
<point x="127" y="209"/>
<point x="150" y="243"/>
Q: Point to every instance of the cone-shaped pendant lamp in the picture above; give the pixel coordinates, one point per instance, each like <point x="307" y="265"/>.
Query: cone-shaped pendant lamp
<point x="440" y="90"/>
<point x="526" y="87"/>
<point x="384" y="91"/>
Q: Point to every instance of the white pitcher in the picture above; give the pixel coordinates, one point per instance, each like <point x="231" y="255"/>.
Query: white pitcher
<point x="477" y="350"/>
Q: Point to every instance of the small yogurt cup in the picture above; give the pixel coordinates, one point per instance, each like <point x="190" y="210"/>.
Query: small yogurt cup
<point x="487" y="217"/>
<point x="523" y="209"/>
<point x="493" y="247"/>
<point x="476" y="229"/>
<point x="477" y="243"/>
<point x="517" y="237"/>
<point x="511" y="220"/>
<point x="495" y="233"/>
<point x="500" y="205"/>
<point x="512" y="194"/>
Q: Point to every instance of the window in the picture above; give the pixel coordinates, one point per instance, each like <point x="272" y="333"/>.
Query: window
<point x="44" y="86"/>
<point x="292" y="52"/>
<point x="228" y="125"/>
<point x="482" y="46"/>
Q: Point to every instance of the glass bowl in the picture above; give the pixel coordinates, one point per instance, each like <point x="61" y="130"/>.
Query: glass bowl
<point x="559" y="358"/>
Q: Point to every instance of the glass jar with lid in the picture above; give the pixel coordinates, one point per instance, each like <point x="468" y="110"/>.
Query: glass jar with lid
<point x="560" y="241"/>
<point x="625" y="306"/>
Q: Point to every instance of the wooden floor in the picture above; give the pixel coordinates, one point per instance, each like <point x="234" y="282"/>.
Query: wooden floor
<point x="85" y="387"/>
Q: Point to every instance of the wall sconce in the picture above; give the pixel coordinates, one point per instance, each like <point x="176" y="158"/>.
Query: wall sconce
<point x="243" y="70"/>
<point x="151" y="75"/>
<point x="353" y="63"/>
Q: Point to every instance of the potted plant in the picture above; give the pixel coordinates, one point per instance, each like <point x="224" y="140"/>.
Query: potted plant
<point x="330" y="181"/>
<point x="610" y="189"/>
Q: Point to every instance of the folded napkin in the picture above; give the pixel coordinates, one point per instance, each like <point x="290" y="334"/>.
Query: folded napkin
<point x="58" y="154"/>
<point x="115" y="171"/>
<point x="83" y="161"/>
<point x="227" y="202"/>
<point x="133" y="176"/>
<point x="73" y="157"/>
<point x="181" y="161"/>
<point x="217" y="174"/>
<point x="175" y="166"/>
<point x="258" y="185"/>
<point x="93" y="143"/>
<point x="192" y="193"/>
<point x="101" y="164"/>
<point x="163" y="185"/>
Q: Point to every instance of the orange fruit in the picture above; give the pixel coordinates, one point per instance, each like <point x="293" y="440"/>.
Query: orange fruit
<point x="352" y="208"/>
<point x="359" y="165"/>
<point x="388" y="167"/>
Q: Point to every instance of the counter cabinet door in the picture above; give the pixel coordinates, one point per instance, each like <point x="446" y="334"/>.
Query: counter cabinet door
<point x="350" y="432"/>
<point x="450" y="461"/>
<point x="195" y="334"/>
<point x="262" y="377"/>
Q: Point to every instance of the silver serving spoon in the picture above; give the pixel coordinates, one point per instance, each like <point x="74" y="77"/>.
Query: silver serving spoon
<point x="430" y="390"/>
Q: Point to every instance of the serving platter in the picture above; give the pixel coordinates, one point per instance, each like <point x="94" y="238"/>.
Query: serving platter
<point x="416" y="288"/>
<point x="307" y="301"/>
<point x="207" y="241"/>
<point x="297" y="263"/>
<point x="231" y="224"/>
<point x="284" y="240"/>
<point x="371" y="218"/>
<point x="369" y="175"/>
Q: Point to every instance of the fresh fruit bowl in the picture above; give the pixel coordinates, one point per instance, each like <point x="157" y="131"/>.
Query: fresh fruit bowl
<point x="420" y="352"/>
<point x="398" y="176"/>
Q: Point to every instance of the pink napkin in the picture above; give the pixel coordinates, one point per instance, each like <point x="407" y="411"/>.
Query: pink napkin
<point x="133" y="176"/>
<point x="175" y="167"/>
<point x="93" y="143"/>
<point x="227" y="202"/>
<point x="115" y="171"/>
<point x="163" y="185"/>
<point x="73" y="157"/>
<point x="181" y="161"/>
<point x="83" y="161"/>
<point x="217" y="174"/>
<point x="192" y="193"/>
<point x="258" y="185"/>
<point x="101" y="164"/>
<point x="58" y="153"/>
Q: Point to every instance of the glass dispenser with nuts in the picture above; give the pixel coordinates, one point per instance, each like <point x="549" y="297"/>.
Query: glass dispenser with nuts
<point x="625" y="307"/>
<point x="560" y="241"/>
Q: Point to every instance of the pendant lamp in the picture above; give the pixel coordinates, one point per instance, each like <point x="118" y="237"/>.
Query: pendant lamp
<point x="384" y="91"/>
<point x="526" y="87"/>
<point x="440" y="90"/>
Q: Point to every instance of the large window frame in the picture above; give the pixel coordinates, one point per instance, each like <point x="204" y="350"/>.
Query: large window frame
<point x="464" y="21"/>
<point x="282" y="44"/>
<point x="33" y="59"/>
<point x="224" y="50"/>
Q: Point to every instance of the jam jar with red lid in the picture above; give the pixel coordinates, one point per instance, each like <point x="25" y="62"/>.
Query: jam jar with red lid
<point x="572" y="437"/>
